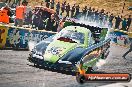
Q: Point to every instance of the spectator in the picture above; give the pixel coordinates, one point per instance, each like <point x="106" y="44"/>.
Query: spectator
<point x="102" y="11"/>
<point x="52" y="4"/>
<point x="129" y="19"/>
<point x="84" y="11"/>
<point x="28" y="18"/>
<point x="101" y="16"/>
<point x="28" y="15"/>
<point x="40" y="24"/>
<point x="77" y="10"/>
<point x="56" y="17"/>
<point x="124" y="24"/>
<point x="34" y="18"/>
<point x="47" y="3"/>
<point x="9" y="13"/>
<point x="111" y="17"/>
<point x="96" y="16"/>
<point x="72" y="11"/>
<point x="67" y="10"/>
<point x="63" y="8"/>
<point x="5" y="12"/>
<point x="106" y="17"/>
<point x="51" y="24"/>
<point x="20" y="14"/>
<point x="92" y="14"/>
<point x="117" y="22"/>
<point x="89" y="14"/>
<point x="58" y="8"/>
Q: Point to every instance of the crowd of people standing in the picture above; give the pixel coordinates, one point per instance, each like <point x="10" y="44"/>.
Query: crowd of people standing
<point x="91" y="14"/>
<point x="72" y="11"/>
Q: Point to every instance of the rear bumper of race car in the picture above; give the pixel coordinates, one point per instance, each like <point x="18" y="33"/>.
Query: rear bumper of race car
<point x="57" y="66"/>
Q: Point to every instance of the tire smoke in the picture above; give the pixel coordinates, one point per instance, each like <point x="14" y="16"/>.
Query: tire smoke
<point x="31" y="45"/>
<point x="100" y="63"/>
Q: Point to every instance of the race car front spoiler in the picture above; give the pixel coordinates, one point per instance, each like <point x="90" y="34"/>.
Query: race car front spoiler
<point x="60" y="65"/>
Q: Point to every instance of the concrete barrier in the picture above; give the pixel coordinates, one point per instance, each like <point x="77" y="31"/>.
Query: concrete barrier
<point x="18" y="37"/>
<point x="120" y="37"/>
<point x="3" y="35"/>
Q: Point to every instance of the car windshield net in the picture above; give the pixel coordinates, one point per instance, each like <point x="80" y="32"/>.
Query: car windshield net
<point x="71" y="36"/>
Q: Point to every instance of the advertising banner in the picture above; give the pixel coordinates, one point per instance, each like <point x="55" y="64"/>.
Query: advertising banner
<point x="3" y="35"/>
<point x="18" y="38"/>
<point x="119" y="37"/>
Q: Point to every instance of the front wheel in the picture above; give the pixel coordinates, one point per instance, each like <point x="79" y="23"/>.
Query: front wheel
<point x="102" y="56"/>
<point x="80" y="78"/>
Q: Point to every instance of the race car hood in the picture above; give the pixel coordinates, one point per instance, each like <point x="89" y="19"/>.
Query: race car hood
<point x="57" y="49"/>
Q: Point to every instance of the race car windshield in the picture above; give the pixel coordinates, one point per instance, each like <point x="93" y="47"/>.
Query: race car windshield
<point x="77" y="37"/>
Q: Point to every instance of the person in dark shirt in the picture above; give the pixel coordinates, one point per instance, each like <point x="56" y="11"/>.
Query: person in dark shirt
<point x="84" y="11"/>
<point x="92" y="14"/>
<point x="63" y="6"/>
<point x="130" y="50"/>
<point x="89" y="13"/>
<point x="72" y="11"/>
<point x="124" y="24"/>
<point x="58" y="8"/>
<point x="117" y="22"/>
<point x="77" y="10"/>
<point x="67" y="10"/>
<point x="96" y="16"/>
<point x="129" y="19"/>
<point x="106" y="17"/>
<point x="51" y="24"/>
<point x="40" y="21"/>
<point x="101" y="17"/>
<point x="111" y="17"/>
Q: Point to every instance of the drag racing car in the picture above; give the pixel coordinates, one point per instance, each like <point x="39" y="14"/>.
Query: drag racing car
<point x="70" y="47"/>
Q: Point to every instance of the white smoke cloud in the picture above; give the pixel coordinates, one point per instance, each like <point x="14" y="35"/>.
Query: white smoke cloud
<point x="31" y="45"/>
<point x="92" y="23"/>
<point x="100" y="63"/>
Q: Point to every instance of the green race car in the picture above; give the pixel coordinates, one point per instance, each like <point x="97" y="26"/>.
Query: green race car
<point x="71" y="46"/>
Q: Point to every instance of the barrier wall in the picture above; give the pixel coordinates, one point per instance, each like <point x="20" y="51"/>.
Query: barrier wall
<point x="3" y="35"/>
<point x="120" y="37"/>
<point x="18" y="38"/>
